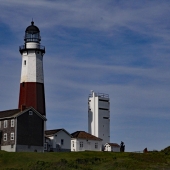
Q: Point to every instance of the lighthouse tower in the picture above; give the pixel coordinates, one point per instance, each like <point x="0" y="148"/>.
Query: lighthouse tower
<point x="32" y="77"/>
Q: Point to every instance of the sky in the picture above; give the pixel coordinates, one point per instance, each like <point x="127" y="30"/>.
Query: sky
<point x="116" y="47"/>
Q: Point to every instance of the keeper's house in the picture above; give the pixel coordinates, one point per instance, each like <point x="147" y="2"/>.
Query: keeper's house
<point x="82" y="141"/>
<point x="22" y="130"/>
<point x="59" y="140"/>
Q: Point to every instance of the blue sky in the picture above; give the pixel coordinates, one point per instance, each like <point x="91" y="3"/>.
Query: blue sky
<point x="116" y="47"/>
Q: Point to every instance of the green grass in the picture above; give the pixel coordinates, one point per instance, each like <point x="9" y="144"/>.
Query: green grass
<point x="85" y="161"/>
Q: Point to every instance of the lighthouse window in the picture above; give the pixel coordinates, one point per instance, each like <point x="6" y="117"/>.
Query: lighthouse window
<point x="105" y="117"/>
<point x="103" y="109"/>
<point x="25" y="62"/>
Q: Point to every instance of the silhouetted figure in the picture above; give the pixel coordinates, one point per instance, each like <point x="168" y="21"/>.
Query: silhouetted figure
<point x="145" y="150"/>
<point x="122" y="147"/>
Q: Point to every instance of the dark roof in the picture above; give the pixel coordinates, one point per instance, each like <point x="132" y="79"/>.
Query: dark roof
<point x="9" y="113"/>
<point x="84" y="135"/>
<point x="54" y="131"/>
<point x="32" y="29"/>
<point x="17" y="112"/>
<point x="51" y="132"/>
<point x="114" y="144"/>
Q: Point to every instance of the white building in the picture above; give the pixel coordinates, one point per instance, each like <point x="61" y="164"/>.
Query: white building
<point x="112" y="147"/>
<point x="82" y="141"/>
<point x="60" y="140"/>
<point x="99" y="116"/>
<point x="47" y="144"/>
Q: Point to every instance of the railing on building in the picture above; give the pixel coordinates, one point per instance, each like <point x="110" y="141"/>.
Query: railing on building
<point x="24" y="48"/>
<point x="100" y="95"/>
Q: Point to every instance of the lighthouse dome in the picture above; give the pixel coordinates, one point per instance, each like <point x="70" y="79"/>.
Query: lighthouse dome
<point x="32" y="33"/>
<point x="32" y="28"/>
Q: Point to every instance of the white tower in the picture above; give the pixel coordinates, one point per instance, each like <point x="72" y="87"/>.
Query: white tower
<point x="32" y="77"/>
<point x="99" y="116"/>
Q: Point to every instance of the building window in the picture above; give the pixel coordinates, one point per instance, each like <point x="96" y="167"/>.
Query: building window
<point x="25" y="62"/>
<point x="103" y="100"/>
<point x="103" y="109"/>
<point x="5" y="124"/>
<point x="5" y="136"/>
<point x="81" y="144"/>
<point x="45" y="146"/>
<point x="30" y="113"/>
<point x="12" y="136"/>
<point x="58" y="146"/>
<point x="96" y="145"/>
<point x="12" y="123"/>
<point x="62" y="141"/>
<point x="105" y="117"/>
<point x="73" y="144"/>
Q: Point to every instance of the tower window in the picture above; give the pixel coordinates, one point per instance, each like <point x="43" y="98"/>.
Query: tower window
<point x="25" y="62"/>
<point x="105" y="117"/>
<point x="103" y="100"/>
<point x="103" y="109"/>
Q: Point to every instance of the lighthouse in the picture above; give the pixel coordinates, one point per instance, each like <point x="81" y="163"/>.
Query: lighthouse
<point x="32" y="77"/>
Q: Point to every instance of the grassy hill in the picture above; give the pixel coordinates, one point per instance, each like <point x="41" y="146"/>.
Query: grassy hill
<point x="85" y="161"/>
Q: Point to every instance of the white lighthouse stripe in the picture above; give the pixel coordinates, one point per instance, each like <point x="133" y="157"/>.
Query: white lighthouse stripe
<point x="32" y="45"/>
<point x="32" y="67"/>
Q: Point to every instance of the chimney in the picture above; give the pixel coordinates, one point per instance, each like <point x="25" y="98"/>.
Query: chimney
<point x="23" y="107"/>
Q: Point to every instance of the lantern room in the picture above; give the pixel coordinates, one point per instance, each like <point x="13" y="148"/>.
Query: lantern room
<point x="32" y="34"/>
